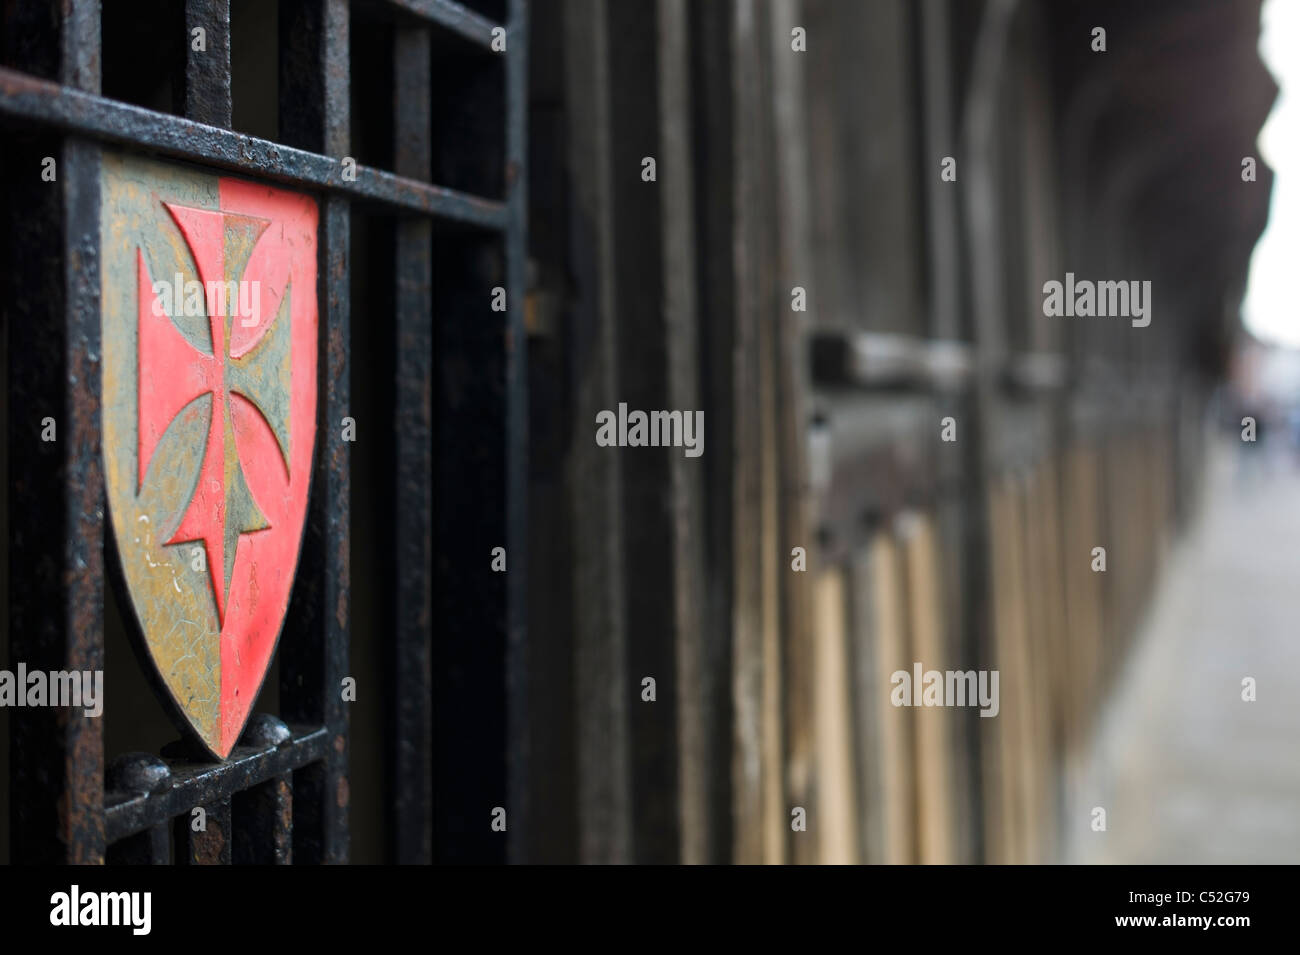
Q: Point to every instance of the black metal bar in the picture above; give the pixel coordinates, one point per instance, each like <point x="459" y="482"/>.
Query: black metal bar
<point x="452" y="16"/>
<point x="679" y="331"/>
<point x="204" y="839"/>
<point x="44" y="103"/>
<point x="302" y="73"/>
<point x="601" y="701"/>
<point x="194" y="784"/>
<point x="56" y="497"/>
<point x="262" y="820"/>
<point x="314" y="645"/>
<point x="516" y="455"/>
<point x="79" y="42"/>
<point x="336" y="77"/>
<point x="56" y="590"/>
<point x="471" y="746"/>
<point x="410" y="729"/>
<point x="713" y="152"/>
<point x="640" y="369"/>
<point x="207" y="62"/>
<point x="314" y="72"/>
<point x="153" y="846"/>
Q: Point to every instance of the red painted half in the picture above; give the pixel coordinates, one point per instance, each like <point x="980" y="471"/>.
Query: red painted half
<point x="173" y="373"/>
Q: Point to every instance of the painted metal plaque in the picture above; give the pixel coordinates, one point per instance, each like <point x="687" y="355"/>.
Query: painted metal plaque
<point x="209" y="418"/>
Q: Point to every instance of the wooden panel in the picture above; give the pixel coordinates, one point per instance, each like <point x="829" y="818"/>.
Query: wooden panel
<point x="1083" y="594"/>
<point x="869" y="694"/>
<point x="1008" y="807"/>
<point x="835" y="826"/>
<point x="1038" y="654"/>
<point x="895" y="743"/>
<point x="934" y="726"/>
<point x="1054" y="675"/>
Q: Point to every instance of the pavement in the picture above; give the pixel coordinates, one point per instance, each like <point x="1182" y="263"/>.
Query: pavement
<point x="1186" y="770"/>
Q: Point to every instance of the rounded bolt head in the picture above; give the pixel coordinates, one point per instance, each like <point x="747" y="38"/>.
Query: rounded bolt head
<point x="138" y="773"/>
<point x="265" y="730"/>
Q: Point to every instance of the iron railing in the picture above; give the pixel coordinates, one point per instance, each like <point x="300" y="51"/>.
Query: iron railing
<point x="283" y="794"/>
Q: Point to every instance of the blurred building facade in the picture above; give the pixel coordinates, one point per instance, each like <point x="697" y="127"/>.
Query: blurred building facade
<point x="823" y="226"/>
<point x="946" y="455"/>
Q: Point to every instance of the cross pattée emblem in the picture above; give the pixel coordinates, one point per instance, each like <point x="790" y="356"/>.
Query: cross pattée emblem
<point x="238" y="376"/>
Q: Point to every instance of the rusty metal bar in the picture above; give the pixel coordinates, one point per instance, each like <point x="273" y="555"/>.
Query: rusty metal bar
<point x="595" y="499"/>
<point x="302" y="51"/>
<point x="153" y="846"/>
<point x="207" y="62"/>
<point x="79" y="43"/>
<point x="56" y="590"/>
<point x="516" y="454"/>
<point x="208" y="845"/>
<point x="44" y="103"/>
<point x="642" y="369"/>
<point x="410" y="727"/>
<point x="314" y="645"/>
<point x="452" y="16"/>
<point x="263" y="823"/>
<point x="194" y="784"/>
<point x="713" y="128"/>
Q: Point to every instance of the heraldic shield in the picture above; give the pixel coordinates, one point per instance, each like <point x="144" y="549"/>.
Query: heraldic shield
<point x="209" y="420"/>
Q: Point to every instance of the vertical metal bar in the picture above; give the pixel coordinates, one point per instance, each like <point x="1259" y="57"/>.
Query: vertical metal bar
<point x="982" y="240"/>
<point x="262" y="815"/>
<point x="600" y="638"/>
<point x="711" y="63"/>
<point x="83" y="574"/>
<point x="647" y="560"/>
<point x="516" y="453"/>
<point x="56" y="591"/>
<point x="786" y="138"/>
<point x="314" y="76"/>
<point x="302" y="99"/>
<point x="207" y="61"/>
<point x="151" y="847"/>
<point x="210" y="845"/>
<point x="80" y="46"/>
<point x="139" y="774"/>
<point x="696" y="776"/>
<point x="262" y="821"/>
<point x="762" y="814"/>
<point x="314" y="655"/>
<point x="411" y="725"/>
<point x="962" y="499"/>
<point x="314" y="645"/>
<point x="942" y="230"/>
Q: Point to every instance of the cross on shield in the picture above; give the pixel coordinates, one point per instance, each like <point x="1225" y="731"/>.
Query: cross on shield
<point x="209" y="421"/>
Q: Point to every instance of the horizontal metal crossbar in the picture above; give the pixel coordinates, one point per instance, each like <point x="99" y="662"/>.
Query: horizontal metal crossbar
<point x="197" y="784"/>
<point x="34" y="100"/>
<point x="453" y="16"/>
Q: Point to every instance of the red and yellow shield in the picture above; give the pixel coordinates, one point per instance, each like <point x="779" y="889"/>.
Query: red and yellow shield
<point x="209" y="405"/>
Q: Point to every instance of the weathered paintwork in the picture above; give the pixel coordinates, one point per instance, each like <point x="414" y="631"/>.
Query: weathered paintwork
<point x="209" y="421"/>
